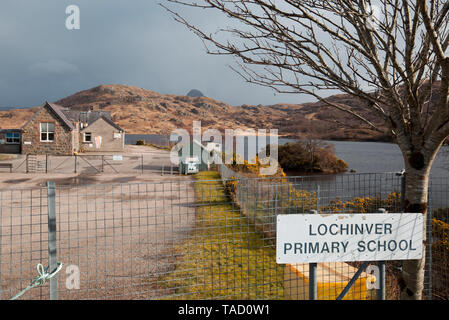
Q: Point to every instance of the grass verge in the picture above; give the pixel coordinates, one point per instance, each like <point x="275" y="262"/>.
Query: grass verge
<point x="224" y="257"/>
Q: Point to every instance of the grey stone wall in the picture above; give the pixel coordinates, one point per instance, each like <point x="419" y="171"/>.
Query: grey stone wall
<point x="31" y="140"/>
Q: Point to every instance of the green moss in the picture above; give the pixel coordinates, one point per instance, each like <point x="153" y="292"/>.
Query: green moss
<point x="224" y="257"/>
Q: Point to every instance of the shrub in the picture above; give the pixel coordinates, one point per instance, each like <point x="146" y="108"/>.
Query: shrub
<point x="310" y="156"/>
<point x="440" y="258"/>
<point x="250" y="169"/>
<point x="231" y="186"/>
<point x="441" y="214"/>
<point x="140" y="142"/>
<point x="365" y="204"/>
<point x="298" y="201"/>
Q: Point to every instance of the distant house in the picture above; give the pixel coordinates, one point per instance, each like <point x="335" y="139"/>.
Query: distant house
<point x="97" y="131"/>
<point x="55" y="130"/>
<point x="194" y="152"/>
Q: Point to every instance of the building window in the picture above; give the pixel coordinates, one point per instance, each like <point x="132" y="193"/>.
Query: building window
<point x="88" y="137"/>
<point x="13" y="138"/>
<point x="47" y="132"/>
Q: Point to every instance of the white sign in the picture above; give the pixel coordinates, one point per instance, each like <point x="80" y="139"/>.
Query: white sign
<point x="117" y="158"/>
<point x="306" y="238"/>
<point x="27" y="142"/>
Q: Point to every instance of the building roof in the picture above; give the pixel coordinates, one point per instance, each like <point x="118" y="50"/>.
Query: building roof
<point x="69" y="117"/>
<point x="57" y="110"/>
<point x="85" y="116"/>
<point x="107" y="120"/>
<point x="90" y="117"/>
<point x="112" y="123"/>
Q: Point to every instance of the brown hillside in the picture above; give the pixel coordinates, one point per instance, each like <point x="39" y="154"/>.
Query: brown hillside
<point x="15" y="118"/>
<point x="141" y="111"/>
<point x="147" y="112"/>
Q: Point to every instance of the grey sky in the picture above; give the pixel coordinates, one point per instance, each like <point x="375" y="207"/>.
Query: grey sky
<point x="133" y="42"/>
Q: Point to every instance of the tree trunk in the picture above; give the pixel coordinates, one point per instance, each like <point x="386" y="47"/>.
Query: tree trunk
<point x="416" y="197"/>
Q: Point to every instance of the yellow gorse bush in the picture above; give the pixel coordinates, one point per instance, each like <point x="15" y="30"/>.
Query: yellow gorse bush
<point x="364" y="204"/>
<point x="297" y="200"/>
<point x="440" y="234"/>
<point x="440" y="256"/>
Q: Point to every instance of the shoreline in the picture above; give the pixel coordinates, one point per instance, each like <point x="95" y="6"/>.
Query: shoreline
<point x="284" y="137"/>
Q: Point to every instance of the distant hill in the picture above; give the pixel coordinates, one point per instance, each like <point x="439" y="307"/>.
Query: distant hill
<point x="142" y="111"/>
<point x="194" y="93"/>
<point x="7" y="108"/>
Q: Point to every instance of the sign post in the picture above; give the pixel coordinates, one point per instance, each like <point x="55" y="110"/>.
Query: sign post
<point x="339" y="238"/>
<point x="310" y="238"/>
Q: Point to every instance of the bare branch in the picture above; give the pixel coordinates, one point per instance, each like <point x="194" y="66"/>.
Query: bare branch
<point x="390" y="61"/>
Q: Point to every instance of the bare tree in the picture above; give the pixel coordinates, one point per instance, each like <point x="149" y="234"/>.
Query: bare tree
<point x="391" y="54"/>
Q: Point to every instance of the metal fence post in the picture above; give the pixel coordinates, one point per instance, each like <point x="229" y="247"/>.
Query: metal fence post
<point x="275" y="200"/>
<point x="256" y="196"/>
<point x="428" y="256"/>
<point x="403" y="192"/>
<point x="428" y="263"/>
<point x="313" y="284"/>
<point x="141" y="163"/>
<point x="381" y="295"/>
<point x="51" y="202"/>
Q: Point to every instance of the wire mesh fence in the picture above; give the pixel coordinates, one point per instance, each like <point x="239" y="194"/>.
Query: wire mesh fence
<point x="437" y="265"/>
<point x="23" y="239"/>
<point x="261" y="199"/>
<point x="207" y="238"/>
<point x="91" y="164"/>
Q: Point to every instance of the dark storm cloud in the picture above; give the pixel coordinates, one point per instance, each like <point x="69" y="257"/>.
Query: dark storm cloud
<point x="128" y="42"/>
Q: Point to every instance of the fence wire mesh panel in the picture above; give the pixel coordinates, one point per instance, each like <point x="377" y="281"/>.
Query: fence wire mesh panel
<point x="23" y="240"/>
<point x="438" y="239"/>
<point x="149" y="162"/>
<point x="123" y="238"/>
<point x="202" y="238"/>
